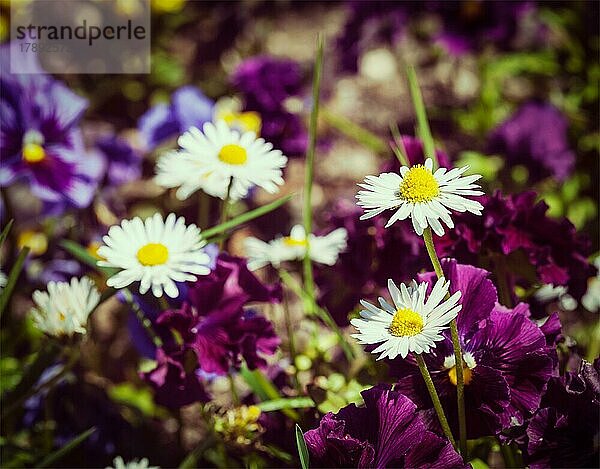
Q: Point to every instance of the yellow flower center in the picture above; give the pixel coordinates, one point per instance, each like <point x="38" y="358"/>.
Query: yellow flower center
<point x="153" y="254"/>
<point x="36" y="242"/>
<point x="61" y="316"/>
<point x="293" y="242"/>
<point x="419" y="185"/>
<point x="33" y="153"/>
<point x="406" y="323"/>
<point x="467" y="375"/>
<point x="233" y="154"/>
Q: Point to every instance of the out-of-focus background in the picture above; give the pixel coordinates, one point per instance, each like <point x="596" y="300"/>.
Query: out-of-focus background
<point x="511" y="88"/>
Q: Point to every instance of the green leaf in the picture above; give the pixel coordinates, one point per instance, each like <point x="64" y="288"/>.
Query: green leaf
<point x="286" y="403"/>
<point x="245" y="217"/>
<point x="82" y="254"/>
<point x="264" y="389"/>
<point x="12" y="278"/>
<point x="302" y="449"/>
<point x="49" y="460"/>
<point x="355" y="132"/>
<point x="5" y="232"/>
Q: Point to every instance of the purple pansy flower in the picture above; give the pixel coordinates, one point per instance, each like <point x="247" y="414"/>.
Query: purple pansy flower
<point x="188" y="108"/>
<point x="564" y="432"/>
<point x="265" y="84"/>
<point x="508" y="360"/>
<point x="215" y="331"/>
<point x="515" y="236"/>
<point x="40" y="141"/>
<point x="536" y="137"/>
<point x="124" y="163"/>
<point x="386" y="432"/>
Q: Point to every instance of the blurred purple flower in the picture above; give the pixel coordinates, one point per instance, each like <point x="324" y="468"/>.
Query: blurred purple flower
<point x="188" y="108"/>
<point x="536" y="137"/>
<point x="516" y="237"/>
<point x="124" y="164"/>
<point x="564" y="432"/>
<point x="386" y="432"/>
<point x="469" y="25"/>
<point x="266" y="83"/>
<point x="40" y="141"/>
<point x="370" y="23"/>
<point x="508" y="358"/>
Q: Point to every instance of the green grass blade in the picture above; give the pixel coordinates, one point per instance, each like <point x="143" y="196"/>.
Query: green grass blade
<point x="245" y="217"/>
<point x="286" y="403"/>
<point x="82" y="254"/>
<point x="302" y="449"/>
<point x="355" y="132"/>
<point x="422" y="123"/>
<point x="12" y="279"/>
<point x="309" y="282"/>
<point x="5" y="232"/>
<point x="67" y="448"/>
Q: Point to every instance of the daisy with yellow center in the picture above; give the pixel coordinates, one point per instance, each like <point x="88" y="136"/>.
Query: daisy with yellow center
<point x="155" y="253"/>
<point x="64" y="309"/>
<point x="411" y="324"/>
<point x="218" y="157"/>
<point x="421" y="194"/>
<point x="323" y="249"/>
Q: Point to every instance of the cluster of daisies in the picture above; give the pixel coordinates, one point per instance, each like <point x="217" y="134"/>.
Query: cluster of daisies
<point x="159" y="253"/>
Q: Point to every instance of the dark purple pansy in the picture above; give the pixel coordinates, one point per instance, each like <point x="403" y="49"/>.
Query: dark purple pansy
<point x="536" y="137"/>
<point x="516" y="237"/>
<point x="386" y="432"/>
<point x="175" y="380"/>
<point x="213" y="330"/>
<point x="564" y="432"/>
<point x="265" y="84"/>
<point x="188" y="108"/>
<point x="40" y="142"/>
<point x="508" y="359"/>
<point x="124" y="164"/>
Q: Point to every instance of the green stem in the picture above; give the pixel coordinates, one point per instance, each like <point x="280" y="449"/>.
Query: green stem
<point x="234" y="394"/>
<point x="439" y="410"/>
<point x="460" y="383"/>
<point x="291" y="340"/>
<point x="224" y="210"/>
<point x="309" y="282"/>
<point x="422" y="123"/>
<point x="203" y="210"/>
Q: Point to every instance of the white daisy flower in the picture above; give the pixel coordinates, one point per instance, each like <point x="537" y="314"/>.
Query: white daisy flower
<point x="135" y="464"/>
<point x="210" y="159"/>
<point x="323" y="249"/>
<point x="411" y="324"/>
<point x="155" y="253"/>
<point x="419" y="193"/>
<point x="65" y="307"/>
